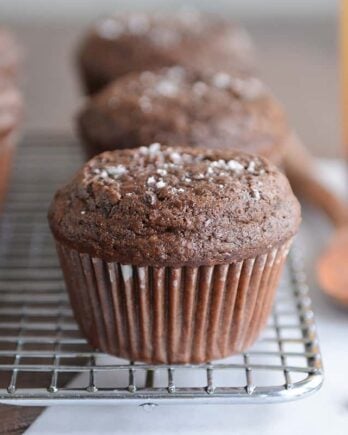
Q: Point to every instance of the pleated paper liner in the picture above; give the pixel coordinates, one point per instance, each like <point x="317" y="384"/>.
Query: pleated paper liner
<point x="171" y="315"/>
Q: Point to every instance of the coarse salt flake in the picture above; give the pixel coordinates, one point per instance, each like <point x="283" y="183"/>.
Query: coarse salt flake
<point x="249" y="88"/>
<point x="235" y="166"/>
<point x="116" y="171"/>
<point x="103" y="173"/>
<point x="255" y="194"/>
<point x="221" y="80"/>
<point x="160" y="184"/>
<point x="110" y="28"/>
<point x="151" y="198"/>
<point x="251" y="167"/>
<point x="167" y="88"/>
<point x="154" y="147"/>
<point x="175" y="157"/>
<point x="151" y="181"/>
<point x="162" y="172"/>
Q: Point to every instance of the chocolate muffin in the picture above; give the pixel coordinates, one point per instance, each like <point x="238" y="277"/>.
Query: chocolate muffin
<point x="136" y="42"/>
<point x="177" y="106"/>
<point x="173" y="255"/>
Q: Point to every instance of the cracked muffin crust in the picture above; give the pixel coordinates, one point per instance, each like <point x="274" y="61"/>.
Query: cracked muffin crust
<point x="164" y="206"/>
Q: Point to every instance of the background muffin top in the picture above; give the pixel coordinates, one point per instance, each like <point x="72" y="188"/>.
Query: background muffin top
<point x="165" y="206"/>
<point x="136" y="42"/>
<point x="178" y="106"/>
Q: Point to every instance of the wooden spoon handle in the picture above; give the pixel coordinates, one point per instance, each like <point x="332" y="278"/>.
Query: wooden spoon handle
<point x="299" y="169"/>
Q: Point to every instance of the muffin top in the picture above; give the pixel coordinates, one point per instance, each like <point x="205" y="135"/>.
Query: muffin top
<point x="166" y="206"/>
<point x="179" y="106"/>
<point x="9" y="55"/>
<point x="136" y="42"/>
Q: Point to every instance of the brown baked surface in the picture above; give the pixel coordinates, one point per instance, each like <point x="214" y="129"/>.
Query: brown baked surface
<point x="125" y="43"/>
<point x="177" y="106"/>
<point x="162" y="206"/>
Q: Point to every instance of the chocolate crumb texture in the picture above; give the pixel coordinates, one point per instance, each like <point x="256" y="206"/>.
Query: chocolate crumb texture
<point x="173" y="206"/>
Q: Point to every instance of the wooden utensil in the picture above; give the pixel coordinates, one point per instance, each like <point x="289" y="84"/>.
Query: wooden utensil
<point x="344" y="73"/>
<point x="332" y="266"/>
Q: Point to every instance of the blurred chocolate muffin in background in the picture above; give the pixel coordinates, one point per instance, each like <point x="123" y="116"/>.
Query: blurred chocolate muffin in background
<point x="125" y="43"/>
<point x="178" y="106"/>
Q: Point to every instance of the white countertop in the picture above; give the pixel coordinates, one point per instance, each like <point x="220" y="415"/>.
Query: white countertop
<point x="326" y="412"/>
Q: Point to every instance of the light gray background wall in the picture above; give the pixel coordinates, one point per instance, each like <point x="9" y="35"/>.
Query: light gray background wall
<point x="75" y="9"/>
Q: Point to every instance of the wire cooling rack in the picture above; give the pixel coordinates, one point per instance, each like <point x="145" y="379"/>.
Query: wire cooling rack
<point x="43" y="358"/>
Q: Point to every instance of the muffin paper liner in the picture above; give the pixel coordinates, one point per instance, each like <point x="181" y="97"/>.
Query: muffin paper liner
<point x="7" y="150"/>
<point x="171" y="315"/>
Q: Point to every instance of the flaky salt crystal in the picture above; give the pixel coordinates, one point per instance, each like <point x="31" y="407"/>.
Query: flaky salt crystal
<point x="255" y="194"/>
<point x="167" y="88"/>
<point x="221" y="80"/>
<point x="151" y="198"/>
<point x="175" y="157"/>
<point x="110" y="28"/>
<point x="251" y="166"/>
<point x="103" y="173"/>
<point x="116" y="171"/>
<point x="234" y="165"/>
<point x="249" y="88"/>
<point x="162" y="172"/>
<point x="151" y="181"/>
<point x="154" y="147"/>
<point x="160" y="184"/>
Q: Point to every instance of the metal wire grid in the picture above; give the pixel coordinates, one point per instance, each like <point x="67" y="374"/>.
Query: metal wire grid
<point x="45" y="360"/>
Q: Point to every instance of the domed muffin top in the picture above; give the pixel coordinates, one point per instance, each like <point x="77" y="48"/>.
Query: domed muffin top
<point x="165" y="206"/>
<point x="125" y="43"/>
<point x="179" y="106"/>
